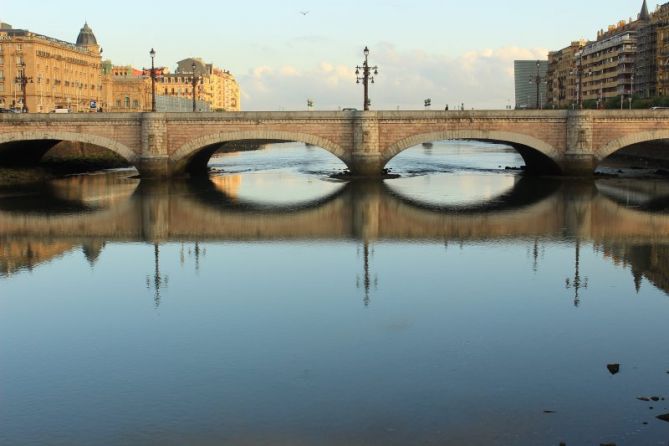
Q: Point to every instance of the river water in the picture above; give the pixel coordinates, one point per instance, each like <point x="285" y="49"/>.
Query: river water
<point x="460" y="304"/>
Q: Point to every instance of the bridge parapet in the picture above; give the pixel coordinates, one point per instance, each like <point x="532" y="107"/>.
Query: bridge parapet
<point x="164" y="144"/>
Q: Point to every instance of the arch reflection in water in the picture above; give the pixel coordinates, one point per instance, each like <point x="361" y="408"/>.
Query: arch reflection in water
<point x="367" y="212"/>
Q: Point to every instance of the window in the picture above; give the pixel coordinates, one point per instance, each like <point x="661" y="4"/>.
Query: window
<point x="127" y="102"/>
<point x="2" y="60"/>
<point x="118" y="103"/>
<point x="2" y="75"/>
<point x="135" y="103"/>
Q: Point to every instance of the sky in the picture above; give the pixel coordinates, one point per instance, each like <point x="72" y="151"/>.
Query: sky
<point x="452" y="52"/>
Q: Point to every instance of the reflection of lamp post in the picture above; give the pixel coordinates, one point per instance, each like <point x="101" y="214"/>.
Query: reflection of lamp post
<point x="23" y="81"/>
<point x="577" y="284"/>
<point x="367" y="280"/>
<point x="366" y="77"/>
<point x="158" y="280"/>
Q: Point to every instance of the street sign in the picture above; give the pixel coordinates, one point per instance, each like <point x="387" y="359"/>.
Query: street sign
<point x="94" y="105"/>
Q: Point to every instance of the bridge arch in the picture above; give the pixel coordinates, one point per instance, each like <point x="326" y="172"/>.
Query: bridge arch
<point x="629" y="140"/>
<point x="195" y="154"/>
<point x="20" y="137"/>
<point x="539" y="156"/>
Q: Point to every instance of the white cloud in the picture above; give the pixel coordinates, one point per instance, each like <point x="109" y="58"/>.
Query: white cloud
<point x="480" y="79"/>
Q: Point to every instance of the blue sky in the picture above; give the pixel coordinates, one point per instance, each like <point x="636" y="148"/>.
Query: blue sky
<point x="450" y="51"/>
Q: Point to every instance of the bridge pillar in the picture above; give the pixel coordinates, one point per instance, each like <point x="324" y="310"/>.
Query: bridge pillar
<point x="579" y="158"/>
<point x="366" y="157"/>
<point x="154" y="159"/>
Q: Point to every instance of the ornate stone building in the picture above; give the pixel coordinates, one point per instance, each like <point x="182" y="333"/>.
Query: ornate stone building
<point x="48" y="72"/>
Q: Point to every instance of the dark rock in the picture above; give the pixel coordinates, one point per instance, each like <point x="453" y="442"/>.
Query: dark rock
<point x="655" y="398"/>
<point x="643" y="398"/>
<point x="662" y="172"/>
<point x="607" y="444"/>
<point x="549" y="411"/>
<point x="614" y="369"/>
<point x="664" y="417"/>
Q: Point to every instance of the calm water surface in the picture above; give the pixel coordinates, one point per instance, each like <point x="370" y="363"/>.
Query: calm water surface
<point x="270" y="305"/>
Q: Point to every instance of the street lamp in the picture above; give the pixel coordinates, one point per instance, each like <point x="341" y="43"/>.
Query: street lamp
<point x="538" y="79"/>
<point x="428" y="103"/>
<point x="23" y="80"/>
<point x="194" y="82"/>
<point x="366" y="77"/>
<point x="152" y="53"/>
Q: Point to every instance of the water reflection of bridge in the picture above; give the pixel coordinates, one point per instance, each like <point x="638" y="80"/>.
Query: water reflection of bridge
<point x="359" y="211"/>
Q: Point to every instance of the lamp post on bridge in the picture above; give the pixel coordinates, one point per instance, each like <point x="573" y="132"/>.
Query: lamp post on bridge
<point x="152" y="53"/>
<point x="23" y="81"/>
<point x="538" y="79"/>
<point x="195" y="80"/>
<point x="366" y="77"/>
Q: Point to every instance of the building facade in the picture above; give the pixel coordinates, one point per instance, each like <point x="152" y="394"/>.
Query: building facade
<point x="49" y="73"/>
<point x="608" y="66"/>
<point x="530" y="81"/>
<point x="562" y="76"/>
<point x="629" y="59"/>
<point x="214" y="86"/>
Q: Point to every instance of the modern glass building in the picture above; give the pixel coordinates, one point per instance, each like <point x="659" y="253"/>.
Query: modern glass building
<point x="526" y="73"/>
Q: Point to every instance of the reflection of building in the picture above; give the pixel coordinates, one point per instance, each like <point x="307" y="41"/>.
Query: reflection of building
<point x="228" y="184"/>
<point x="17" y="256"/>
<point x="525" y="71"/>
<point x="649" y="261"/>
<point x="56" y="73"/>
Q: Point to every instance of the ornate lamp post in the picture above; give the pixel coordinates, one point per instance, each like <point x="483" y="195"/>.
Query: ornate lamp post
<point x="23" y="81"/>
<point x="538" y="79"/>
<point x="152" y="53"/>
<point x="366" y="77"/>
<point x="194" y="82"/>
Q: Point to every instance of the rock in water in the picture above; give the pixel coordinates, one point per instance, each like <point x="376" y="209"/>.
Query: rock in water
<point x="614" y="369"/>
<point x="664" y="417"/>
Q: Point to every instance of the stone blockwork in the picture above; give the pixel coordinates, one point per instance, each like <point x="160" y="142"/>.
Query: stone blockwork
<point x="173" y="144"/>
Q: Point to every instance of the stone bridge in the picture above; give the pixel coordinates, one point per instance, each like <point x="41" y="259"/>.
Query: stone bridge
<point x="176" y="144"/>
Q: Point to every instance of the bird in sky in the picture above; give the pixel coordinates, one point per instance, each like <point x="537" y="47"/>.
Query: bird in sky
<point x="304" y="12"/>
